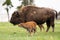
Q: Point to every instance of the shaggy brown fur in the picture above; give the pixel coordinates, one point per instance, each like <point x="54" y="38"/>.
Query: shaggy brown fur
<point x="40" y="15"/>
<point x="30" y="26"/>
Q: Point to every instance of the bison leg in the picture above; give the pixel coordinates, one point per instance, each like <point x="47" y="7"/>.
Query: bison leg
<point x="48" y="25"/>
<point x="52" y="24"/>
<point x="41" y="27"/>
<point x="47" y="28"/>
<point x="52" y="28"/>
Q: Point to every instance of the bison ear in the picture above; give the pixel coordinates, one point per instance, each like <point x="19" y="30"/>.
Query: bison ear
<point x="17" y="14"/>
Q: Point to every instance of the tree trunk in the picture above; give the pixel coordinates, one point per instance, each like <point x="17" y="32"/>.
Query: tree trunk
<point x="7" y="12"/>
<point x="27" y="2"/>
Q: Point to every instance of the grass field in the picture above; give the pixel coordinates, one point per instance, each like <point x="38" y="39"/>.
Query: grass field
<point x="10" y="32"/>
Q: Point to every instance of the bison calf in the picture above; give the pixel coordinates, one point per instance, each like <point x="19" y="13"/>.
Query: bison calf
<point x="30" y="26"/>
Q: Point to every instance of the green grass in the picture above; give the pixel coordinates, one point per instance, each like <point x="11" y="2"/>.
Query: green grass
<point x="10" y="32"/>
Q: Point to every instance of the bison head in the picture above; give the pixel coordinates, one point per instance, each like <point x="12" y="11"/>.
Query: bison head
<point x="16" y="18"/>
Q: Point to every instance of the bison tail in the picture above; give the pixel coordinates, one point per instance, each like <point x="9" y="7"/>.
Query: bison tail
<point x="56" y="14"/>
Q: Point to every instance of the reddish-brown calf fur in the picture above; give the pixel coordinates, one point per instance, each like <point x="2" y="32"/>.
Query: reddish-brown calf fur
<point x="30" y="26"/>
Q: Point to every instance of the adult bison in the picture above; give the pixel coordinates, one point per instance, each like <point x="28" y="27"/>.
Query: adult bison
<point x="32" y="13"/>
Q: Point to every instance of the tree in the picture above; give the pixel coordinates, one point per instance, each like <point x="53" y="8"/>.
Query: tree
<point x="8" y="3"/>
<point x="26" y="2"/>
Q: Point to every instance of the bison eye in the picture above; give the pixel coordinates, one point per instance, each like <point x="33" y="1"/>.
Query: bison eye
<point x="17" y="15"/>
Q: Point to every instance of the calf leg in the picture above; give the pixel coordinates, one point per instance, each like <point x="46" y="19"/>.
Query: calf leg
<point x="30" y="31"/>
<point x="34" y="30"/>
